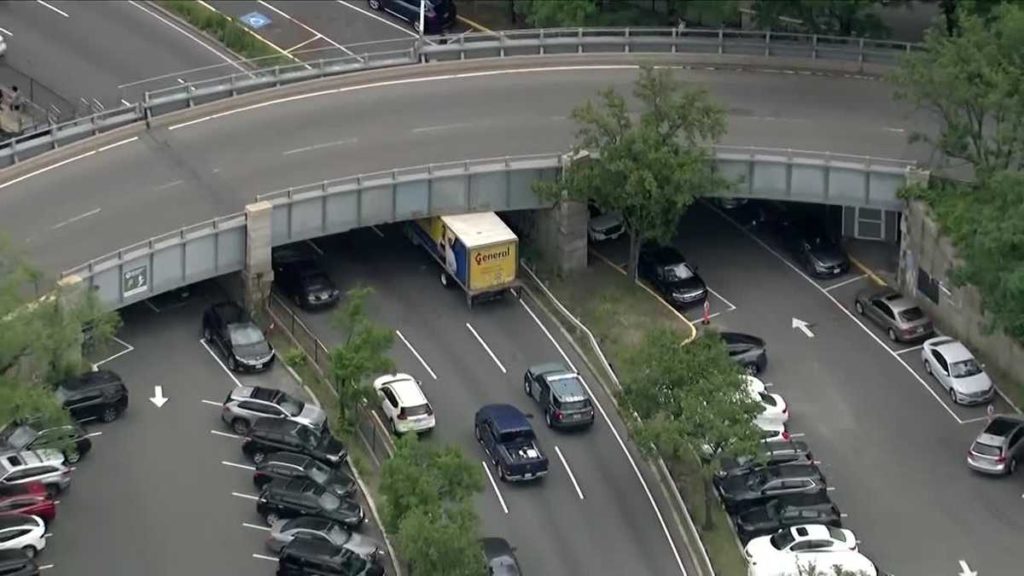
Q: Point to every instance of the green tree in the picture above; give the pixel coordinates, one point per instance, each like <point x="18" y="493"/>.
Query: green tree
<point x="649" y="169"/>
<point x="973" y="83"/>
<point x="951" y="10"/>
<point x="813" y="570"/>
<point x="556" y="13"/>
<point x="443" y="544"/>
<point x="363" y="354"/>
<point x="836" y="17"/>
<point x="690" y="400"/>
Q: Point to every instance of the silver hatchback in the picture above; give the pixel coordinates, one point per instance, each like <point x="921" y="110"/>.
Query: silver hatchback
<point x="998" y="447"/>
<point x="246" y="404"/>
<point x="899" y="316"/>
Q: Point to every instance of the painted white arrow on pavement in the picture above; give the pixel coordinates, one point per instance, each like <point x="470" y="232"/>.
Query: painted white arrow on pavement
<point x="803" y="327"/>
<point x="965" y="570"/>
<point x="158" y="396"/>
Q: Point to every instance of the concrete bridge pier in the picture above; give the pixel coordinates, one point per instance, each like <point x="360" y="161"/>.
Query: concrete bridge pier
<point x="258" y="274"/>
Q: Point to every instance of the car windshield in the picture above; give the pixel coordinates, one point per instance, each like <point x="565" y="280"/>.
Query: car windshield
<point x="575" y="404"/>
<point x="329" y="501"/>
<point x="20" y="437"/>
<point x="245" y="334"/>
<point x="837" y="534"/>
<point x="987" y="449"/>
<point x="503" y="566"/>
<point x="291" y="406"/>
<point x="964" y="369"/>
<point x="781" y="540"/>
<point x="679" y="271"/>
<point x="911" y="314"/>
<point x="316" y="281"/>
<point x="338" y="536"/>
<point x="420" y="410"/>
<point x="767" y="399"/>
<point x="318" y="473"/>
<point x="353" y="565"/>
<point x="307" y="436"/>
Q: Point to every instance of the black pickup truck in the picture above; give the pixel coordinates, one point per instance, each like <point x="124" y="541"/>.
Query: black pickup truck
<point x="508" y="438"/>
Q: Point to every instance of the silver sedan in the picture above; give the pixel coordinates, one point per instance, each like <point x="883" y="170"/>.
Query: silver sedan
<point x="284" y="531"/>
<point x="956" y="369"/>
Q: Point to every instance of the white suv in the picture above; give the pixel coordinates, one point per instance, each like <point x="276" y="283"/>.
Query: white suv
<point x="43" y="466"/>
<point x="403" y="403"/>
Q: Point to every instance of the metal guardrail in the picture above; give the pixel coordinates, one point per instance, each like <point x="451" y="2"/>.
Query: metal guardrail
<point x="471" y="45"/>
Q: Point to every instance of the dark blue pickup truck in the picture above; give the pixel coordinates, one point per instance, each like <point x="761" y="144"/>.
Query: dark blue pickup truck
<point x="508" y="438"/>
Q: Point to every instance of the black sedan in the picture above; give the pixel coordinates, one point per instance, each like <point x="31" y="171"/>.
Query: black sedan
<point x="299" y="275"/>
<point x="290" y="465"/>
<point x="771" y="454"/>
<point x="292" y="498"/>
<point x="228" y="328"/>
<point x="667" y="270"/>
<point x="759" y="486"/>
<point x="817" y="251"/>
<point x="787" y="511"/>
<point x="750" y="352"/>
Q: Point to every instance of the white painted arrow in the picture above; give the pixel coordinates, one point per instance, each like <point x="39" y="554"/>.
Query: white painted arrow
<point x="158" y="396"/>
<point x="965" y="570"/>
<point x="803" y="327"/>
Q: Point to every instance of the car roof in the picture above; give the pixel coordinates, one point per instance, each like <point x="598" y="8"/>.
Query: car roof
<point x="811" y="532"/>
<point x="310" y="547"/>
<point x="495" y="547"/>
<point x="567" y="387"/>
<point x="16" y="520"/>
<point x="307" y="523"/>
<point x="408" y="391"/>
<point x="894" y="299"/>
<point x="274" y="425"/>
<point x="261" y="393"/>
<point x="506" y="417"/>
<point x="793" y="471"/>
<point x="29" y="458"/>
<point x="288" y="458"/>
<point x="1001" y="426"/>
<point x="90" y="379"/>
<point x="785" y="446"/>
<point x="953" y="350"/>
<point x="295" y="485"/>
<point x="740" y="338"/>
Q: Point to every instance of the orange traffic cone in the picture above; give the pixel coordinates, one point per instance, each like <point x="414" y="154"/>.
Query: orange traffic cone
<point x="707" y="313"/>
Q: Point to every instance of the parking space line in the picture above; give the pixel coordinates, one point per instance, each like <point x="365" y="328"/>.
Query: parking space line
<point x="315" y="247"/>
<point x="127" y="348"/>
<point x="308" y="29"/>
<point x="384" y="20"/>
<point x="93" y="434"/>
<point x="797" y="435"/>
<point x="263" y="557"/>
<point x="219" y="363"/>
<point x="212" y="403"/>
<point x="377" y="230"/>
<point x="973" y="420"/>
<point x="415" y="353"/>
<point x="54" y="8"/>
<point x="303" y="43"/>
<point x="487" y="348"/>
<point x="849" y="314"/>
<point x="225" y="434"/>
<point x="193" y="38"/>
<point x="254" y="34"/>
<point x="46" y="566"/>
<point x="567" y="469"/>
<point x="256" y="527"/>
<point x="242" y="466"/>
<point x="845" y="282"/>
<point x="495" y="485"/>
<point x="918" y="347"/>
<point x="830" y="488"/>
<point x="719" y="296"/>
<point x="246" y="496"/>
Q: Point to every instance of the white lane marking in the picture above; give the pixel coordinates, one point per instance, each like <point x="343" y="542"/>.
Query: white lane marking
<point x="54" y="8"/>
<point x="116" y="144"/>
<point x="225" y="434"/>
<point x="76" y="218"/>
<point x="388" y="83"/>
<point x="856" y="320"/>
<point x="212" y="403"/>
<point x="127" y="348"/>
<point x="151" y="306"/>
<point x="256" y="526"/>
<point x="415" y="353"/>
<point x="494" y="484"/>
<point x="242" y="466"/>
<point x="303" y="43"/>
<point x="569" y="470"/>
<point x="125" y="102"/>
<point x="830" y="488"/>
<point x="618" y="438"/>
<point x="973" y="420"/>
<point x="169" y="185"/>
<point x="319" y="146"/>
<point x="246" y="496"/>
<point x="843" y="515"/>
<point x="310" y="30"/>
<point x="487" y="348"/>
<point x="797" y="435"/>
<point x="442" y="127"/>
<point x="377" y="230"/>
<point x="219" y="363"/>
<point x="46" y="566"/>
<point x="8" y="32"/>
<point x="46" y="169"/>
<point x="896" y="130"/>
<point x="186" y="33"/>
<point x="262" y="557"/>
<point x="727" y="303"/>
<point x="315" y="247"/>
<point x="845" y="282"/>
<point x="180" y="81"/>
<point x="911" y="349"/>
<point x="384" y="20"/>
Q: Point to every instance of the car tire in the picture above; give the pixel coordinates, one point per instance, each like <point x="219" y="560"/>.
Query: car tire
<point x="891" y="334"/>
<point x="52" y="491"/>
<point x="444" y="279"/>
<point x="476" y="433"/>
<point x="239" y="426"/>
<point x="526" y="387"/>
<point x="394" y="427"/>
<point x="30" y="551"/>
<point x="928" y="367"/>
<point x="952" y="395"/>
<point x="271" y="517"/>
<point x="259" y="456"/>
<point x="110" y="413"/>
<point x="859" y="307"/>
<point x="207" y="335"/>
<point x="1012" y="467"/>
<point x="375" y="5"/>
<point x="297" y="300"/>
<point x="72" y="456"/>
<point x="501" y="472"/>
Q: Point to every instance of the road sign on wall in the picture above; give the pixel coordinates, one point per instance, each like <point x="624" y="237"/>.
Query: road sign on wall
<point x="134" y="281"/>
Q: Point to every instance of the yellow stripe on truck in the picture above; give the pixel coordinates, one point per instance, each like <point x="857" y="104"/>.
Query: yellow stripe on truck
<point x="492" y="266"/>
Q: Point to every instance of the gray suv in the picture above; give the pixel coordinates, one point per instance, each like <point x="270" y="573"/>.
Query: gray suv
<point x="900" y="317"/>
<point x="561" y="394"/>
<point x="998" y="447"/>
<point x="245" y="404"/>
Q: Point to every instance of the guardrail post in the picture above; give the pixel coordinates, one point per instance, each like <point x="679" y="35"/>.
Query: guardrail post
<point x="860" y="52"/>
<point x="146" y="111"/>
<point x="579" y="40"/>
<point x="814" y="47"/>
<point x="95" y="129"/>
<point x="541" y="39"/>
<point x="277" y="76"/>
<point x="188" y="91"/>
<point x="721" y="41"/>
<point x="768" y="43"/>
<point x="626" y="45"/>
<point x="14" y="151"/>
<point x="501" y="44"/>
<point x="234" y="92"/>
<point x="54" y="142"/>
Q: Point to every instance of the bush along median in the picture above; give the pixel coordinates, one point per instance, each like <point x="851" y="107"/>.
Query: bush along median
<point x="231" y="34"/>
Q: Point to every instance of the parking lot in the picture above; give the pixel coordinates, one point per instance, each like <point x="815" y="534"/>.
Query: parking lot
<point x="166" y="491"/>
<point x="890" y="441"/>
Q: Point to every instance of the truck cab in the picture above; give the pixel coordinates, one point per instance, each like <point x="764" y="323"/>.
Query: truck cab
<point x="507" y="437"/>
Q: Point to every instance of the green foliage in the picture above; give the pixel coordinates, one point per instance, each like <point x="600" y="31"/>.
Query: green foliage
<point x="295" y="358"/>
<point x="233" y="35"/>
<point x="832" y="17"/>
<point x="442" y="546"/>
<point x="649" y="169"/>
<point x="364" y="353"/>
<point x="952" y="9"/>
<point x="974" y="83"/>
<point x="813" y="570"/>
<point x="556" y="13"/>
<point x="690" y="399"/>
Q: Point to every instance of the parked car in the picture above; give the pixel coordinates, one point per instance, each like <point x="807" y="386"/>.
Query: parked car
<point x="667" y="270"/>
<point x="805" y="538"/>
<point x="30" y="504"/>
<point x="71" y="439"/>
<point x="956" y="369"/>
<point x="296" y="497"/>
<point x="604" y="225"/>
<point x="94" y="395"/>
<point x="740" y="492"/>
<point x="17" y="563"/>
<point x="561" y="395"/>
<point x="510" y="443"/>
<point x="268" y="435"/>
<point x="403" y="403"/>
<point x="500" y="557"/>
<point x="747" y="351"/>
<point x="818" y="252"/>
<point x="313" y="528"/>
<point x="228" y="328"/>
<point x="900" y="317"/>
<point x="299" y="275"/>
<point x="22" y="532"/>
<point x="771" y="454"/>
<point x="246" y="404"/>
<point x="309" y="557"/>
<point x="837" y="562"/>
<point x="439" y="15"/>
<point x="774" y="409"/>
<point x="21" y="489"/>
<point x="999" y="446"/>
<point x="786" y="511"/>
<point x="289" y="465"/>
<point x="772" y="431"/>
<point x="43" y="466"/>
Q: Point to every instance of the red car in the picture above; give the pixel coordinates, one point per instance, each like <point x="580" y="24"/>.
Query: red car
<point x="33" y="504"/>
<point x="20" y="489"/>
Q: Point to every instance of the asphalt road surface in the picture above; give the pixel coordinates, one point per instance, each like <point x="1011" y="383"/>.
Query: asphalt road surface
<point x="61" y="52"/>
<point x="591" y="514"/>
<point x="890" y="442"/>
<point x="166" y="491"/>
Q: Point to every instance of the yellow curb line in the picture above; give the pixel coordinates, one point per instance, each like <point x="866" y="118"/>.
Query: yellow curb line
<point x="868" y="271"/>
<point x="693" y="330"/>
<point x="472" y="24"/>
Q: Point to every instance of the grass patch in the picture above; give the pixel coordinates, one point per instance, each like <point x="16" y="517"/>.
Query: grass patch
<point x="229" y="33"/>
<point x="619" y="314"/>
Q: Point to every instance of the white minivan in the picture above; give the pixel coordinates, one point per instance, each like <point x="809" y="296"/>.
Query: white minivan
<point x="824" y="564"/>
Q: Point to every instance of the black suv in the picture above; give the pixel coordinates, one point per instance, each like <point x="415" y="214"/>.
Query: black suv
<point x="227" y="327"/>
<point x="17" y="563"/>
<point x="666" y="268"/>
<point x="289" y="465"/>
<point x="292" y="498"/>
<point x="747" y="351"/>
<point x="71" y="439"/>
<point x="787" y="511"/>
<point x="759" y="486"/>
<point x="299" y="275"/>
<point x="771" y="454"/>
<point x="561" y="395"/>
<point x="314" y="557"/>
<point x="101" y="394"/>
<point x="267" y="435"/>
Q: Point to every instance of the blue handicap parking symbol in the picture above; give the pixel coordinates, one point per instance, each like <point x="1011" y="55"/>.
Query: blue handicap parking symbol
<point x="255" y="20"/>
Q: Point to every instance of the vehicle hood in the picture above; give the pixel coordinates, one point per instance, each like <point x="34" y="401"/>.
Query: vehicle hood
<point x="331" y="447"/>
<point x="734" y="487"/>
<point x="687" y="286"/>
<point x="252" y="351"/>
<point x="828" y="255"/>
<point x="605" y="221"/>
<point x="347" y="512"/>
<point x="363" y="545"/>
<point x="760" y="548"/>
<point x="977" y="383"/>
<point x="754" y="517"/>
<point x="312" y="416"/>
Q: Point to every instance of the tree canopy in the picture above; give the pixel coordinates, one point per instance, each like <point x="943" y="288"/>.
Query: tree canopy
<point x="649" y="168"/>
<point x="832" y="17"/>
<point x="364" y="353"/>
<point x="556" y="13"/>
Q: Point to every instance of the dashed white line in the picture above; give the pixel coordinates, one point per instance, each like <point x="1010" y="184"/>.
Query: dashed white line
<point x="54" y="8"/>
<point x="212" y="403"/>
<point x="845" y="282"/>
<point x="319" y="146"/>
<point x="169" y="185"/>
<point x="74" y="219"/>
<point x="490" y="477"/>
<point x="442" y="127"/>
<point x="93" y="435"/>
<point x="256" y="526"/>
<point x="219" y="363"/>
<point x="242" y="466"/>
<point x="487" y="348"/>
<point x="569" y="470"/>
<point x="225" y="434"/>
<point x="415" y="353"/>
<point x="263" y="557"/>
<point x="193" y="38"/>
<point x="116" y="144"/>
<point x="5" y="31"/>
<point x="246" y="496"/>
